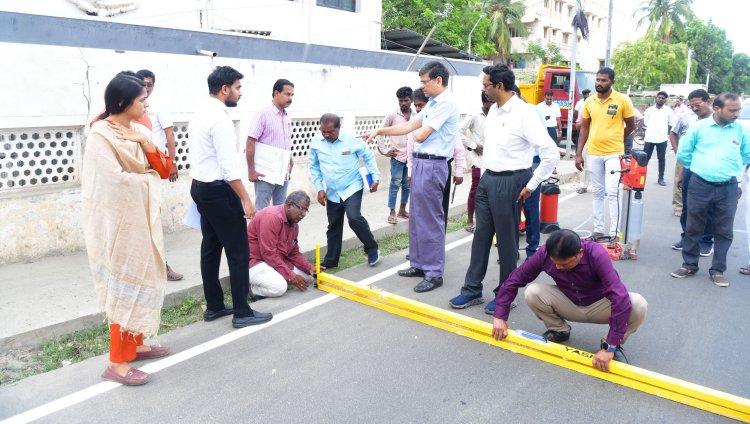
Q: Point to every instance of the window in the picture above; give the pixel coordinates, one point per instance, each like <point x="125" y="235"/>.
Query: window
<point x="338" y="4"/>
<point x="566" y="38"/>
<point x="560" y="82"/>
<point x="558" y="6"/>
<point x="546" y="4"/>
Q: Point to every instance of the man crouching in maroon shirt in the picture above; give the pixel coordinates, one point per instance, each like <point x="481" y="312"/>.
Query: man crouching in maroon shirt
<point x="587" y="289"/>
<point x="275" y="259"/>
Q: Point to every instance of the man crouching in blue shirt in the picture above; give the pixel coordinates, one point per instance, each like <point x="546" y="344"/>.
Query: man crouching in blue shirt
<point x="587" y="289"/>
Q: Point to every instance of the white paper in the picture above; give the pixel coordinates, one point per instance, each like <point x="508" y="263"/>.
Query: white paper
<point x="192" y="216"/>
<point x="273" y="162"/>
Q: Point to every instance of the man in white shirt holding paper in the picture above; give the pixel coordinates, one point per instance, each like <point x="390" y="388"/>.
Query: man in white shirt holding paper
<point x="271" y="127"/>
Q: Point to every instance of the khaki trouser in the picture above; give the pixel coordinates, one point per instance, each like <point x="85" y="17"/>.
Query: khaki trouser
<point x="551" y="306"/>
<point x="676" y="192"/>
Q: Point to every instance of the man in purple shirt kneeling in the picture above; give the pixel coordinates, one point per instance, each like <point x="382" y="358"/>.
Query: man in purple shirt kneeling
<point x="587" y="289"/>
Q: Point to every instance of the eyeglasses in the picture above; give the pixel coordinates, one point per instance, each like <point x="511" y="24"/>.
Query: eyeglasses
<point x="485" y="85"/>
<point x="301" y="209"/>
<point x="424" y="82"/>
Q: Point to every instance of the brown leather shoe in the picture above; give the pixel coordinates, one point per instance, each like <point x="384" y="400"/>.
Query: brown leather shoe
<point x="173" y="275"/>
<point x="134" y="377"/>
<point x="155" y="352"/>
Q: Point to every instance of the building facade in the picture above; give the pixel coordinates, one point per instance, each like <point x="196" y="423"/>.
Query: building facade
<point x="550" y="21"/>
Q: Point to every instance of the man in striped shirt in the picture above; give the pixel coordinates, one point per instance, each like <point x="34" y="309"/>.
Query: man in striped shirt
<point x="273" y="127"/>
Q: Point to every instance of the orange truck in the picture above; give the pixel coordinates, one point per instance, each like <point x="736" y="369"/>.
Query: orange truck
<point x="557" y="79"/>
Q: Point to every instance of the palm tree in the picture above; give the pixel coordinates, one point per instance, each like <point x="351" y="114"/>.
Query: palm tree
<point x="665" y="17"/>
<point x="505" y="18"/>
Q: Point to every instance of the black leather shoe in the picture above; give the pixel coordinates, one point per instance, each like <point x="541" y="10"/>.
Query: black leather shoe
<point x="328" y="265"/>
<point x="411" y="272"/>
<point x="428" y="284"/>
<point x="255" y="319"/>
<point x="556" y="336"/>
<point x="210" y="315"/>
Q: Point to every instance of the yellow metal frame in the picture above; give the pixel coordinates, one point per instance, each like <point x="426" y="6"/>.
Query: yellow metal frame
<point x="661" y="385"/>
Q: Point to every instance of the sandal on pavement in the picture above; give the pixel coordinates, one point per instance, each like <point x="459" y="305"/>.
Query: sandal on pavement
<point x="392" y="219"/>
<point x="404" y="215"/>
<point x="745" y="270"/>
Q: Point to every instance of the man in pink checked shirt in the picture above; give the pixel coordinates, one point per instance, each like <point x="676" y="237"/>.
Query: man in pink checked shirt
<point x="271" y="126"/>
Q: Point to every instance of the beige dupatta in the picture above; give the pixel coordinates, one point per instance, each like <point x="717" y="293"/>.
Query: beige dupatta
<point x="122" y="226"/>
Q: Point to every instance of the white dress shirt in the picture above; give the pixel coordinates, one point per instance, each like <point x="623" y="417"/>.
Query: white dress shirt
<point x="550" y="112"/>
<point x="511" y="133"/>
<point x="657" y="121"/>
<point x="472" y="135"/>
<point x="160" y="119"/>
<point x="213" y="151"/>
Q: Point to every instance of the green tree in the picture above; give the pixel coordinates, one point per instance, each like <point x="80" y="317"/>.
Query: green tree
<point x="505" y="18"/>
<point x="713" y="54"/>
<point x="741" y="73"/>
<point x="549" y="55"/>
<point x="665" y="17"/>
<point x="452" y="19"/>
<point x="647" y="63"/>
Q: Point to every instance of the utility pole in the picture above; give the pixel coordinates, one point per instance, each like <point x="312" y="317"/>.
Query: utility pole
<point x="572" y="85"/>
<point x="472" y="30"/>
<point x="609" y="37"/>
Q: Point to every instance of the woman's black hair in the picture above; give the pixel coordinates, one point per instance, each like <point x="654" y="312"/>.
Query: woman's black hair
<point x="120" y="93"/>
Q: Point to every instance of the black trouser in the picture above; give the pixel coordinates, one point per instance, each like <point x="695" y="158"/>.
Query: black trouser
<point x="721" y="200"/>
<point x="357" y="223"/>
<point x="708" y="239"/>
<point x="447" y="193"/>
<point x="497" y="212"/>
<point x="224" y="227"/>
<point x="661" y="153"/>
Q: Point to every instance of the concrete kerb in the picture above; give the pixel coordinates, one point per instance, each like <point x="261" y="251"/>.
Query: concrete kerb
<point x="37" y="336"/>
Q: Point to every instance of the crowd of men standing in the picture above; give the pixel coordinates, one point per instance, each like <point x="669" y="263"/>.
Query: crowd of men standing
<point x="513" y="149"/>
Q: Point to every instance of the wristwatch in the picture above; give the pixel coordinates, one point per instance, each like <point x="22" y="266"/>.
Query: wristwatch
<point x="608" y="347"/>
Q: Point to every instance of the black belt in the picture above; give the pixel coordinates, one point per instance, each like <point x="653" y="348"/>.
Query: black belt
<point x="732" y="180"/>
<point x="210" y="183"/>
<point x="429" y="156"/>
<point x="506" y="173"/>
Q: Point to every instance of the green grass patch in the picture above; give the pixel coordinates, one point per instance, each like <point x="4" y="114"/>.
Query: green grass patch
<point x="19" y="363"/>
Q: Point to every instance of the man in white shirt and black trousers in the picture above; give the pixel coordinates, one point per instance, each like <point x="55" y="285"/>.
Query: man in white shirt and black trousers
<point x="222" y="201"/>
<point x="512" y="131"/>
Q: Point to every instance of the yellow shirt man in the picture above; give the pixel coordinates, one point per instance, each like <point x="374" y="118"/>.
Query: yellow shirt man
<point x="606" y="135"/>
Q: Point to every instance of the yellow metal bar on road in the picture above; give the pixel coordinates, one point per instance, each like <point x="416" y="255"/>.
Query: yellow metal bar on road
<point x="661" y="385"/>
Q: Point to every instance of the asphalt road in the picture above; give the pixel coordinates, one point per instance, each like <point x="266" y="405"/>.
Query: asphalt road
<point x="326" y="359"/>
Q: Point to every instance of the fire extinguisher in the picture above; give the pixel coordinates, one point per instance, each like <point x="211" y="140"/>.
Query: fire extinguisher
<point x="548" y="208"/>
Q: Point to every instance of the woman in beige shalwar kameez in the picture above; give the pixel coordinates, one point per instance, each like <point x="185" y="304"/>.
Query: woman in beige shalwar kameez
<point x="121" y="191"/>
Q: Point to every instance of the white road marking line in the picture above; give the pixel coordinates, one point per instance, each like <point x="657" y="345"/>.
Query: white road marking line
<point x="179" y="357"/>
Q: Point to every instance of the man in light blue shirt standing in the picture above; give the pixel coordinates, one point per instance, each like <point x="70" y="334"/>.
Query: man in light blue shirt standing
<point x="435" y="130"/>
<point x="334" y="159"/>
<point x="714" y="150"/>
